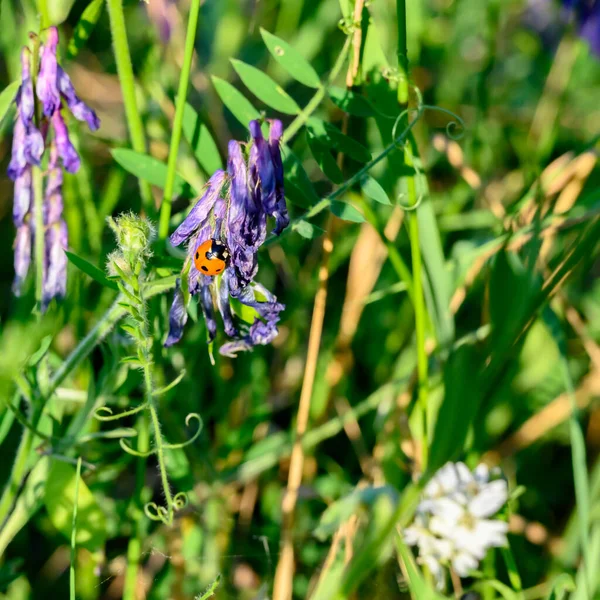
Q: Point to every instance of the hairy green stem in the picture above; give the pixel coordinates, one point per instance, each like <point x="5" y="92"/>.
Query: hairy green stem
<point x="134" y="547"/>
<point x="314" y="102"/>
<point x="184" y="79"/>
<point x="125" y="71"/>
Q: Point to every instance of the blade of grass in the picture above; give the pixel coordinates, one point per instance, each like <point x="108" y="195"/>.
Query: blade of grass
<point x="72" y="595"/>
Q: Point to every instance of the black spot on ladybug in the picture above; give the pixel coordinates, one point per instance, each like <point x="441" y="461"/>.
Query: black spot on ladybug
<point x="197" y="255"/>
<point x="204" y="268"/>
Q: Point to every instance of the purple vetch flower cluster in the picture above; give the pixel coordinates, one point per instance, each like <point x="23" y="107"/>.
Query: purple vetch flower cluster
<point x="29" y="142"/>
<point x="234" y="210"/>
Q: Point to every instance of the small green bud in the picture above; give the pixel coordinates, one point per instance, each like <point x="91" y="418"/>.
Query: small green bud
<point x="134" y="236"/>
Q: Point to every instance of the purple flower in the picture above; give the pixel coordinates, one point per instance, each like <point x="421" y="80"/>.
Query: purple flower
<point x="22" y="257"/>
<point x="81" y="111"/>
<point x="177" y="317"/>
<point x="234" y="207"/>
<point x="47" y="83"/>
<point x="53" y="201"/>
<point x="55" y="274"/>
<point x="587" y="17"/>
<point x="22" y="197"/>
<point x="66" y="150"/>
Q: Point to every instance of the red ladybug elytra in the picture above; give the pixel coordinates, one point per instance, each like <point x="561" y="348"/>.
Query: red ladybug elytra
<point x="211" y="257"/>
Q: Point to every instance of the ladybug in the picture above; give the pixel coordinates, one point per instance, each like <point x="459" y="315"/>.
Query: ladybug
<point x="211" y="257"/>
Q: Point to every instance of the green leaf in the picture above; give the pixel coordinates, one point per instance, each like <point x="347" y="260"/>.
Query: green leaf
<point x="148" y="168"/>
<point x="306" y="229"/>
<point x="352" y="103"/>
<point x="235" y="101"/>
<point x="58" y="10"/>
<point x="265" y="89"/>
<point x="84" y="27"/>
<point x="92" y="270"/>
<point x="561" y="586"/>
<point x="291" y="60"/>
<point x="296" y="175"/>
<point x="331" y="136"/>
<point x="59" y="500"/>
<point x="459" y="407"/>
<point x="35" y="358"/>
<point x="419" y="590"/>
<point x="203" y="145"/>
<point x="346" y="211"/>
<point x="322" y="154"/>
<point x="6" y="98"/>
<point x="373" y="190"/>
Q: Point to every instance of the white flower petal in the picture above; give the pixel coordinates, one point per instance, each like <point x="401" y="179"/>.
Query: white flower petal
<point x="447" y="509"/>
<point x="469" y="541"/>
<point x="444" y="481"/>
<point x="435" y="568"/>
<point x="482" y="473"/>
<point x="465" y="477"/>
<point x="491" y="533"/>
<point x="463" y="563"/>
<point x="490" y="499"/>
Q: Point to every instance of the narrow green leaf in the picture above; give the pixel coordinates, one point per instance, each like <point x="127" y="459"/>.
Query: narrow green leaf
<point x="324" y="158"/>
<point x="346" y="211"/>
<point x="291" y="60"/>
<point x="92" y="270"/>
<point x="331" y="136"/>
<point x="265" y="89"/>
<point x="203" y="145"/>
<point x="373" y="190"/>
<point x="561" y="586"/>
<point x="59" y="500"/>
<point x="35" y="358"/>
<point x="419" y="590"/>
<point x="84" y="27"/>
<point x="149" y="169"/>
<point x="352" y="103"/>
<point x="296" y="175"/>
<point x="459" y="407"/>
<point x="6" y="98"/>
<point x="235" y="101"/>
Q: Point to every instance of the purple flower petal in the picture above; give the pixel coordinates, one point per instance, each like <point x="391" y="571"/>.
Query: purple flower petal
<point x="22" y="197"/>
<point x="225" y="308"/>
<point x="590" y="27"/>
<point x="81" y="111"/>
<point x="206" y="302"/>
<point x="55" y="276"/>
<point x="231" y="349"/>
<point x="22" y="257"/>
<point x="201" y="209"/>
<point x="262" y="174"/>
<point x="18" y="161"/>
<point x="177" y="317"/>
<point x="25" y="99"/>
<point x="53" y="200"/>
<point x="280" y="212"/>
<point x="47" y="83"/>
<point x="66" y="150"/>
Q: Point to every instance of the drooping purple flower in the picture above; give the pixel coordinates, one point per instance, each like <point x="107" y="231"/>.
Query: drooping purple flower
<point x="66" y="150"/>
<point x="55" y="274"/>
<point x="199" y="213"/>
<point x="253" y="186"/>
<point x="81" y="111"/>
<point x="587" y="17"/>
<point x="47" y="83"/>
<point x="177" y="317"/>
<point x="22" y="196"/>
<point x="34" y="142"/>
<point x="53" y="200"/>
<point x="279" y="209"/>
<point x="22" y="257"/>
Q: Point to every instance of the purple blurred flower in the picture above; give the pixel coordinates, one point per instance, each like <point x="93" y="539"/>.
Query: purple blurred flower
<point x="234" y="208"/>
<point x="587" y="15"/>
<point x="22" y="257"/>
<point x="47" y="83"/>
<point x="66" y="150"/>
<point x="165" y="16"/>
<point x="29" y="144"/>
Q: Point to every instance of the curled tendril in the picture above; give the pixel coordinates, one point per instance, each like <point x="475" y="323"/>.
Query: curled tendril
<point x="157" y="513"/>
<point x="127" y="448"/>
<point x="180" y="501"/>
<point x="113" y="417"/>
<point x="452" y="126"/>
<point x="193" y="438"/>
<point x="170" y="386"/>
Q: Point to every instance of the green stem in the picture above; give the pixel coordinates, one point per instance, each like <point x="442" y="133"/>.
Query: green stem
<point x="44" y="14"/>
<point x="125" y="71"/>
<point x="314" y="102"/>
<point x="134" y="547"/>
<point x="72" y="595"/>
<point x="184" y="79"/>
<point x="402" y="52"/>
<point x="38" y="215"/>
<point x="420" y="311"/>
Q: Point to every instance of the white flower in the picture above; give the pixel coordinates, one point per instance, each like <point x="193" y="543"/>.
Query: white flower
<point x="454" y="524"/>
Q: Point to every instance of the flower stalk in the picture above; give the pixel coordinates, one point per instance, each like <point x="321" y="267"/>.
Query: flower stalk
<point x="184" y="79"/>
